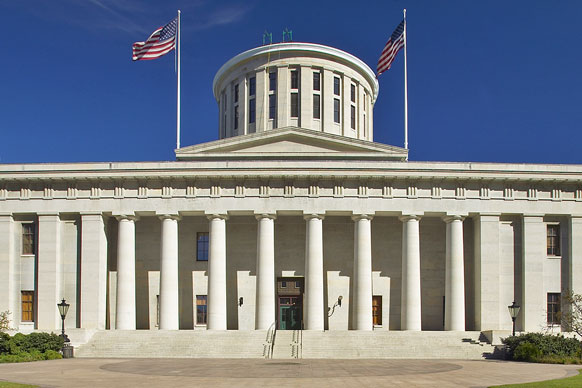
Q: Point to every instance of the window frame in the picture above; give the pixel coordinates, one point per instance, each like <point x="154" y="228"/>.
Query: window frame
<point x="553" y="308"/>
<point x="294" y="105"/>
<point x="317" y="104"/>
<point x="317" y="80"/>
<point x="336" y="86"/>
<point x="337" y="111"/>
<point x="272" y="81"/>
<point x="31" y="242"/>
<point x="294" y="79"/>
<point x="28" y="303"/>
<point x="272" y="106"/>
<point x="553" y="241"/>
<point x="202" y="246"/>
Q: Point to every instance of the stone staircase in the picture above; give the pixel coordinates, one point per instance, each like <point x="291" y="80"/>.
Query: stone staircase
<point x="289" y="344"/>
<point x="174" y="344"/>
<point x="395" y="344"/>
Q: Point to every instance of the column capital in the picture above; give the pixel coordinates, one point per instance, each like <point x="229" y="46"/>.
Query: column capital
<point x="270" y="216"/>
<point x="408" y="217"/>
<point x="215" y="216"/>
<point x="175" y="217"/>
<point x="451" y="218"/>
<point x="357" y="217"/>
<point x="130" y="217"/>
<point x="313" y="215"/>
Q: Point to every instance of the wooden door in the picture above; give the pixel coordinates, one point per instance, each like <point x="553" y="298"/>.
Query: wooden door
<point x="377" y="310"/>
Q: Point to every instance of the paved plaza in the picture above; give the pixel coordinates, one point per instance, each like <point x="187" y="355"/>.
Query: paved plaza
<point x="125" y="373"/>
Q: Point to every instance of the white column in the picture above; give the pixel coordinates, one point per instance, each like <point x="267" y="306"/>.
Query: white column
<point x="314" y="309"/>
<point x="410" y="303"/>
<point x="217" y="272"/>
<point x="49" y="291"/>
<point x="265" y="301"/>
<point x="362" y="290"/>
<point x="532" y="315"/>
<point x="125" y="307"/>
<point x="93" y="271"/>
<point x="169" y="309"/>
<point x="574" y="283"/>
<point x="454" y="275"/>
<point x="9" y="287"/>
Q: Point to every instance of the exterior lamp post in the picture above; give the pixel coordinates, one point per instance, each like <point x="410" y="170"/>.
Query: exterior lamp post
<point x="63" y="309"/>
<point x="513" y="312"/>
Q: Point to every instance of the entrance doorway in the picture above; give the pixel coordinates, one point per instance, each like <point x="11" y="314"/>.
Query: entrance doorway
<point x="289" y="303"/>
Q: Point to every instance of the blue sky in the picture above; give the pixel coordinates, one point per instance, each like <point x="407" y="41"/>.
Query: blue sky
<point x="493" y="81"/>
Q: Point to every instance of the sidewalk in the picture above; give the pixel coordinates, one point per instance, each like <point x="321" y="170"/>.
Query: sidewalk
<point x="126" y="373"/>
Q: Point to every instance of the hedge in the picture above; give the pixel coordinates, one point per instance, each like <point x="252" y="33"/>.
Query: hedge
<point x="30" y="347"/>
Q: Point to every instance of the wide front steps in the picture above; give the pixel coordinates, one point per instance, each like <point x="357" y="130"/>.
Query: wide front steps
<point x="174" y="344"/>
<point x="395" y="344"/>
<point x="288" y="344"/>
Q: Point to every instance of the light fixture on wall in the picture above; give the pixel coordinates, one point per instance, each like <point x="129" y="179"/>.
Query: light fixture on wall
<point x="331" y="310"/>
<point x="240" y="301"/>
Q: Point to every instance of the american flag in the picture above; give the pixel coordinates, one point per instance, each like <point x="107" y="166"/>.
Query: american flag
<point x="162" y="41"/>
<point x="394" y="44"/>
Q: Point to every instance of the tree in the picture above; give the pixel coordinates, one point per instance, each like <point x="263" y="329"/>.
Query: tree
<point x="572" y="317"/>
<point x="5" y="321"/>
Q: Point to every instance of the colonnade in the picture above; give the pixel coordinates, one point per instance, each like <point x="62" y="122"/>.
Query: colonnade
<point x="314" y="307"/>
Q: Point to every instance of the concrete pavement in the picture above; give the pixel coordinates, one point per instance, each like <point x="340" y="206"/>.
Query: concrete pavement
<point x="126" y="373"/>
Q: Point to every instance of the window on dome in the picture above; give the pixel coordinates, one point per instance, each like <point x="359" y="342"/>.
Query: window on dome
<point x="316" y="106"/>
<point x="336" y="86"/>
<point x="336" y="110"/>
<point x="294" y="104"/>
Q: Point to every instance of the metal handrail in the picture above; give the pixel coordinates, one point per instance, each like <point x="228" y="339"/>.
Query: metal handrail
<point x="270" y="340"/>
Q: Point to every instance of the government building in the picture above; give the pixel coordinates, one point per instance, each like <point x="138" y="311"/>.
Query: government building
<point x="294" y="220"/>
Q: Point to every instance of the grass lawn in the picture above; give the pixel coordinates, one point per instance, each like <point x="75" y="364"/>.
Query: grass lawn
<point x="569" y="382"/>
<point x="4" y="384"/>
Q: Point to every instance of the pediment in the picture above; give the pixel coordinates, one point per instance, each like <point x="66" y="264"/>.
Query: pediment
<point x="291" y="143"/>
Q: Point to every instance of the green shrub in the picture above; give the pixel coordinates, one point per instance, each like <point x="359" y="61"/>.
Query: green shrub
<point x="52" y="355"/>
<point x="526" y="351"/>
<point x="35" y="341"/>
<point x="4" y="343"/>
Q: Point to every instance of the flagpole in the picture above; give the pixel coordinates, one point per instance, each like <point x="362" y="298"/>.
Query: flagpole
<point x="405" y="91"/>
<point x="178" y="88"/>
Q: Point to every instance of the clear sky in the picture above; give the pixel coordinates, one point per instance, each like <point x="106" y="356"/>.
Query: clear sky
<point x="494" y="81"/>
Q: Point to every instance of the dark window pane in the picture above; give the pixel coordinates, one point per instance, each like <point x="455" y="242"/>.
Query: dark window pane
<point x="336" y="110"/>
<point x="236" y="93"/>
<point x="273" y="81"/>
<point x="272" y="106"/>
<point x="553" y="308"/>
<point x="553" y="240"/>
<point x="202" y="246"/>
<point x="353" y="118"/>
<point x="317" y="81"/>
<point x="336" y="86"/>
<point x="252" y="110"/>
<point x="316" y="106"/>
<point x="236" y="117"/>
<point x="252" y="86"/>
<point x="294" y="79"/>
<point x="201" y="310"/>
<point x="294" y="105"/>
<point x="353" y="93"/>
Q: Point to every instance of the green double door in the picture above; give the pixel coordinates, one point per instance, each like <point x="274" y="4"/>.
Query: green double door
<point x="289" y="313"/>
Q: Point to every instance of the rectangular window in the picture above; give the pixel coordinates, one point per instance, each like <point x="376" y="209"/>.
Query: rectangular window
<point x="316" y="106"/>
<point x="272" y="106"/>
<point x="294" y="104"/>
<point x="294" y="79"/>
<point x="353" y="93"/>
<point x="236" y="117"/>
<point x="236" y="93"/>
<point x="201" y="310"/>
<point x="336" y="86"/>
<point x="553" y="240"/>
<point x="377" y="310"/>
<point x="317" y="80"/>
<point x="252" y="86"/>
<point x="202" y="246"/>
<point x="27" y="306"/>
<point x="553" y="308"/>
<point x="283" y="284"/>
<point x="252" y="109"/>
<point x="28" y="239"/>
<point x="353" y="117"/>
<point x="336" y="110"/>
<point x="272" y="81"/>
